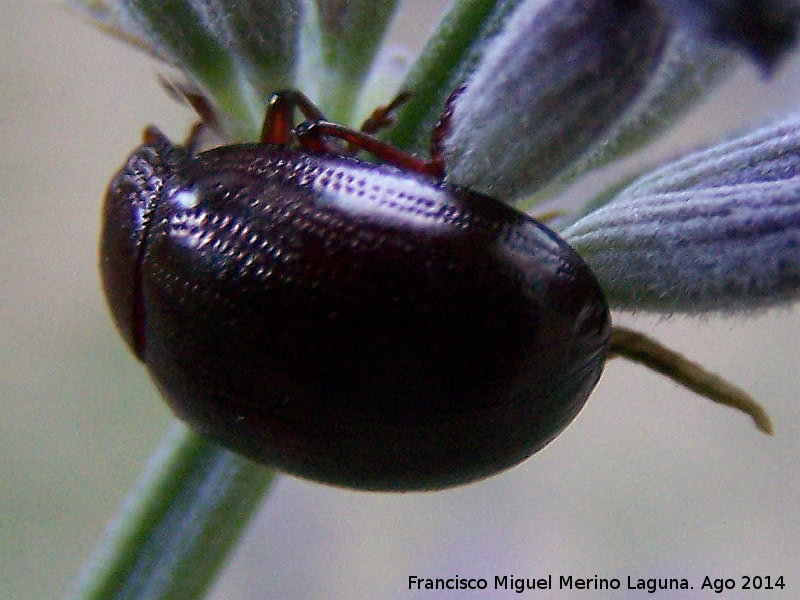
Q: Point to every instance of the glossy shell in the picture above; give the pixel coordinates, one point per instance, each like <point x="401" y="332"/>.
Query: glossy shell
<point x="347" y="322"/>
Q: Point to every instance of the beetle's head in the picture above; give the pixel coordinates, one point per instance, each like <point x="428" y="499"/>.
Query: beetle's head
<point x="133" y="194"/>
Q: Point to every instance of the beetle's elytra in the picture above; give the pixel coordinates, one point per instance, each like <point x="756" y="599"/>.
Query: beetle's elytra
<point x="361" y="324"/>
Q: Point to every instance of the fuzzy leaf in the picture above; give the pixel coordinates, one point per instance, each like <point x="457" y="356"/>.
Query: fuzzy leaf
<point x="262" y="36"/>
<point x="717" y="230"/>
<point x="690" y="69"/>
<point x="233" y="52"/>
<point x="341" y="38"/>
<point x="548" y="84"/>
<point x="567" y="86"/>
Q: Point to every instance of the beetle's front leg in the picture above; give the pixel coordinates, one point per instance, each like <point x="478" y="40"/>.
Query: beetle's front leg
<point x="278" y="121"/>
<point x="383" y="116"/>
<point x="311" y="136"/>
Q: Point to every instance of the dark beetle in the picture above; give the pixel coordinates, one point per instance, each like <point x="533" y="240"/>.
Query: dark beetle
<point x="366" y="325"/>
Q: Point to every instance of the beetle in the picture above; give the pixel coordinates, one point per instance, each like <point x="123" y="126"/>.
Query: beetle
<point x="363" y="324"/>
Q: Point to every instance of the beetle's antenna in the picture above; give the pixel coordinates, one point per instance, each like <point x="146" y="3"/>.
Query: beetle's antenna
<point x="639" y="348"/>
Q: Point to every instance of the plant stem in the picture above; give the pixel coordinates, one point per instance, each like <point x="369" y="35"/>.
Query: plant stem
<point x="181" y="520"/>
<point x="639" y="348"/>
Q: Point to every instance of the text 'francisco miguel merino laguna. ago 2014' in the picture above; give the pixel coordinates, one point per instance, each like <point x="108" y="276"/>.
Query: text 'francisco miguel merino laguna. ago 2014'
<point x="570" y="582"/>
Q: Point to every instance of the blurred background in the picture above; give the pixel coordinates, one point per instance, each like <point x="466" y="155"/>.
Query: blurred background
<point x="650" y="481"/>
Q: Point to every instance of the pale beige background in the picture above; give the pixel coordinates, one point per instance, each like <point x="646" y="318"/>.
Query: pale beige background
<point x="649" y="481"/>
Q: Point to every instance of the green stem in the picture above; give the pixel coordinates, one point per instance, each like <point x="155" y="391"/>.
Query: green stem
<point x="443" y="65"/>
<point x="181" y="520"/>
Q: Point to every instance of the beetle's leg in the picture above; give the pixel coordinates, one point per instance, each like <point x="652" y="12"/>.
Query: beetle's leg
<point x="280" y="115"/>
<point x="311" y="137"/>
<point x="442" y="127"/>
<point x="639" y="348"/>
<point x="186" y="92"/>
<point x="277" y="128"/>
<point x="383" y="116"/>
<point x="312" y="132"/>
<point x="193" y="140"/>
